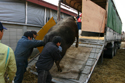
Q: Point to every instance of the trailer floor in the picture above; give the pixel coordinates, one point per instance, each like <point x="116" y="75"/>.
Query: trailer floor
<point x="72" y="63"/>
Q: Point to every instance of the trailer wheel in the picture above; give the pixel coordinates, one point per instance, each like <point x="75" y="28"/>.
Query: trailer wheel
<point x="109" y="51"/>
<point x="112" y="53"/>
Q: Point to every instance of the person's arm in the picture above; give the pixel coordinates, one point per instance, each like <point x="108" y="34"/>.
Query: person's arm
<point x="11" y="65"/>
<point x="56" y="55"/>
<point x="57" y="58"/>
<point x="36" y="43"/>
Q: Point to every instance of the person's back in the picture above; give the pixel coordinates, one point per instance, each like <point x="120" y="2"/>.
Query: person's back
<point x="7" y="59"/>
<point x="49" y="54"/>
<point x="24" y="48"/>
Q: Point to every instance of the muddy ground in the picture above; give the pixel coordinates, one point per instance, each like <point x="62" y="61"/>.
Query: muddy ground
<point x="110" y="71"/>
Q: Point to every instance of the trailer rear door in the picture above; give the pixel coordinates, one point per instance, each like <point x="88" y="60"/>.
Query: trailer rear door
<point x="93" y="17"/>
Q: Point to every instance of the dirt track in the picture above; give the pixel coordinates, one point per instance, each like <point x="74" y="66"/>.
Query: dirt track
<point x="110" y="71"/>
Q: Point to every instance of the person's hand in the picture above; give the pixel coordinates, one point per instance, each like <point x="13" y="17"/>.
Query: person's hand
<point x="60" y="48"/>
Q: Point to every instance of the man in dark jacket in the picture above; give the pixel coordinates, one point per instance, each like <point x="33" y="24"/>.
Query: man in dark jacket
<point x="22" y="52"/>
<point x="49" y="54"/>
<point x="34" y="34"/>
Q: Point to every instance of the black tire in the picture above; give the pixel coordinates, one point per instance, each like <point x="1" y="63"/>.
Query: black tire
<point x="112" y="53"/>
<point x="115" y="49"/>
<point x="109" y="51"/>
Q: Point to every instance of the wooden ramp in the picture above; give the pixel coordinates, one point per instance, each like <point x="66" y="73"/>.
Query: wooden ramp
<point x="72" y="63"/>
<point x="80" y="63"/>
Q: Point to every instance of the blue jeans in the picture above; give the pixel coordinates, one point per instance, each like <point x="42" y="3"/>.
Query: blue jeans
<point x="21" y="69"/>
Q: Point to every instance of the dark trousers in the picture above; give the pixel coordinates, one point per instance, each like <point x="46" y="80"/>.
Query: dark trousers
<point x="21" y="69"/>
<point x="44" y="77"/>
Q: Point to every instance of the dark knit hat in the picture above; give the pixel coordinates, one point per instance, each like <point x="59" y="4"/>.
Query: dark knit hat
<point x="57" y="39"/>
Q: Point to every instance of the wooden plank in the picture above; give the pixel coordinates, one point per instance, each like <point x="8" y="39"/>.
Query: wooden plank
<point x="93" y="17"/>
<point x="89" y="45"/>
<point x="76" y="4"/>
<point x="83" y="78"/>
<point x="91" y="37"/>
<point x="42" y="32"/>
<point x="86" y="70"/>
<point x="96" y="50"/>
<point x="93" y="55"/>
<point x="60" y="80"/>
<point x="90" y="62"/>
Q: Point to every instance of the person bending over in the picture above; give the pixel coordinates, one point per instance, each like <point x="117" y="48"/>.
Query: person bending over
<point x="49" y="54"/>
